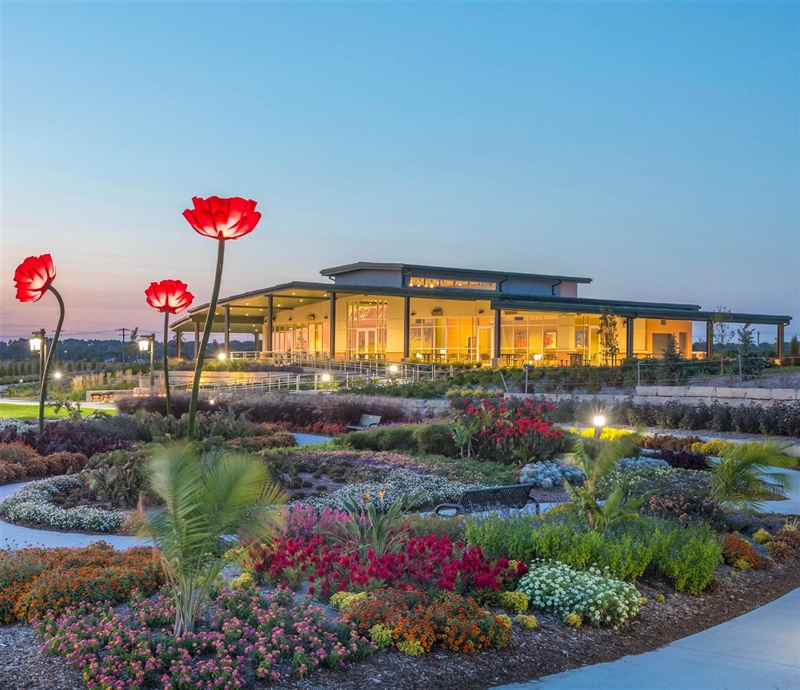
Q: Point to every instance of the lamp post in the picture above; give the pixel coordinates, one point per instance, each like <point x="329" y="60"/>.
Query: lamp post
<point x="148" y="342"/>
<point x="326" y="380"/>
<point x="38" y="343"/>
<point x="598" y="422"/>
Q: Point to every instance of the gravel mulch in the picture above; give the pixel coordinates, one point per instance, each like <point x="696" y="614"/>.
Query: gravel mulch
<point x="551" y="648"/>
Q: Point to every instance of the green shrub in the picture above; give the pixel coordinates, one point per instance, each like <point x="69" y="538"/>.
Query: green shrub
<point x="686" y="555"/>
<point x="435" y="438"/>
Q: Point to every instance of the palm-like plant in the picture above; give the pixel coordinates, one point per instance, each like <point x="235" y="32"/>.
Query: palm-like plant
<point x="207" y="500"/>
<point x="597" y="459"/>
<point x="742" y="480"/>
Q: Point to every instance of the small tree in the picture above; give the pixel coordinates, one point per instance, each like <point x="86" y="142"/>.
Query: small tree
<point x="608" y="336"/>
<point x="794" y="350"/>
<point x="672" y="369"/>
<point x="720" y="319"/>
<point x="752" y="361"/>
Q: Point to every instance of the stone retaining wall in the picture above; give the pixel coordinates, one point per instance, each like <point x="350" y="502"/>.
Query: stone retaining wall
<point x="693" y="395"/>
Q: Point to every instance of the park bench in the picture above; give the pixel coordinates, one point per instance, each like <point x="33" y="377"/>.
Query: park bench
<point x="367" y="421"/>
<point x="491" y="498"/>
<point x="100" y="396"/>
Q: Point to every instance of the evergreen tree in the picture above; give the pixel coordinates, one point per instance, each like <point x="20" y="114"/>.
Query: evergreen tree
<point x="752" y="361"/>
<point x="608" y="336"/>
<point x="672" y="370"/>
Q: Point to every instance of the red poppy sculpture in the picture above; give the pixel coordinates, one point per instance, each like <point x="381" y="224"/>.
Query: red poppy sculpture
<point x="33" y="279"/>
<point x="222" y="220"/>
<point x="168" y="297"/>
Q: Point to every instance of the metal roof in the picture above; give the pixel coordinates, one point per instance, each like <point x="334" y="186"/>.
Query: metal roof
<point x="445" y="270"/>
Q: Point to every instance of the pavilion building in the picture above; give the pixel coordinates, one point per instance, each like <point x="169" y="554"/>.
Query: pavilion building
<point x="408" y="312"/>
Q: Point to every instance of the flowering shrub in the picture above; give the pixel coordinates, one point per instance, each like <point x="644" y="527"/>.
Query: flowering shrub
<point x="396" y="483"/>
<point x="432" y="561"/>
<point x="303" y="521"/>
<point x="32" y="504"/>
<point x="551" y="473"/>
<point x="596" y="599"/>
<point x="67" y="435"/>
<point x="247" y="636"/>
<point x="739" y="552"/>
<point x="606" y="434"/>
<point x="526" y="621"/>
<point x="628" y="463"/>
<point x="516" y="601"/>
<point x="762" y="537"/>
<point x="504" y="430"/>
<point x="33" y="581"/>
<point x="418" y="620"/>
<point x="573" y="620"/>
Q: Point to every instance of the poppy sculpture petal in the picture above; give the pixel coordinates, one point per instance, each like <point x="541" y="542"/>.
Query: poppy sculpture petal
<point x="169" y="296"/>
<point x="33" y="277"/>
<point x="223" y="219"/>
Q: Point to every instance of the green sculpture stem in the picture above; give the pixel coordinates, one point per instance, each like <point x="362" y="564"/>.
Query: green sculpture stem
<point x="201" y="354"/>
<point x="53" y="346"/>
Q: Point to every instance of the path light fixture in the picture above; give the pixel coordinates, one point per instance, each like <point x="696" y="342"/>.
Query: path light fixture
<point x="598" y="422"/>
<point x="38" y="344"/>
<point x="326" y="380"/>
<point x="57" y="375"/>
<point x="148" y="342"/>
<point x="222" y="356"/>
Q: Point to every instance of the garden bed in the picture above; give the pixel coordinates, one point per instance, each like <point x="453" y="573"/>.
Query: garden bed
<point x="530" y="654"/>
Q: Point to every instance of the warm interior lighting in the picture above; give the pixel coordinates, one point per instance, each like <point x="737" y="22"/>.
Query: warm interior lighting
<point x="537" y="357"/>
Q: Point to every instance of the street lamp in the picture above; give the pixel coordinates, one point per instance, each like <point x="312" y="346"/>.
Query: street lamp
<point x="148" y="342"/>
<point x="598" y="422"/>
<point x="38" y="343"/>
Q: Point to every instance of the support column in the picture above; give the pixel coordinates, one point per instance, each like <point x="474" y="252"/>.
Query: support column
<point x="196" y="339"/>
<point x="406" y="327"/>
<point x="268" y="325"/>
<point x="497" y="332"/>
<point x="629" y="337"/>
<point x="332" y="320"/>
<point x="227" y="311"/>
<point x="781" y="336"/>
<point x="178" y="341"/>
<point x="256" y="348"/>
<point x="709" y="339"/>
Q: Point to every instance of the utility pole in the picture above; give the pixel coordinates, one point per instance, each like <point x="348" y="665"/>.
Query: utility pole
<point x="124" y="331"/>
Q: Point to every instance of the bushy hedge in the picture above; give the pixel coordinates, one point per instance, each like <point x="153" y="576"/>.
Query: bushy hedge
<point x="781" y="418"/>
<point x="73" y="436"/>
<point x="299" y="410"/>
<point x="686" y="555"/>
<point x="430" y="437"/>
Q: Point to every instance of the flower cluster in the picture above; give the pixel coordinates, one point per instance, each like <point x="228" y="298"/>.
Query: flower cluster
<point x="431" y="561"/>
<point x="396" y="483"/>
<point x="596" y="599"/>
<point x="33" y="581"/>
<point x="504" y="430"/>
<point x="551" y="473"/>
<point x="247" y="636"/>
<point x="741" y="554"/>
<point x="32" y="504"/>
<point x="418" y="620"/>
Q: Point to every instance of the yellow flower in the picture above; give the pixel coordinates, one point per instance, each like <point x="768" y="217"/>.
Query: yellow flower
<point x="526" y="621"/>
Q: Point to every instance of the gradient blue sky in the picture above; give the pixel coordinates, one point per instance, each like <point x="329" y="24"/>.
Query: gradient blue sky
<point x="652" y="147"/>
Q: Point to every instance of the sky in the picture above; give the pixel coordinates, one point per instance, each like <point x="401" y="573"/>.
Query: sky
<point x="654" y="147"/>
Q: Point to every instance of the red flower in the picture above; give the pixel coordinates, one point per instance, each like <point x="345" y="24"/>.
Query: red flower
<point x="223" y="219"/>
<point x="33" y="277"/>
<point x="169" y="296"/>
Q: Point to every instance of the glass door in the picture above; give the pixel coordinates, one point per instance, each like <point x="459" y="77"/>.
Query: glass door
<point x="366" y="343"/>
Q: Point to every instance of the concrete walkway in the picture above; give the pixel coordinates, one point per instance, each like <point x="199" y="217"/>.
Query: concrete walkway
<point x="757" y="651"/>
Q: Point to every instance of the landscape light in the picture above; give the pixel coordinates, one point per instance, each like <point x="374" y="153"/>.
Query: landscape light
<point x="221" y="356"/>
<point x="144" y="345"/>
<point x="393" y="368"/>
<point x="57" y="375"/>
<point x="599" y="422"/>
<point x="326" y="378"/>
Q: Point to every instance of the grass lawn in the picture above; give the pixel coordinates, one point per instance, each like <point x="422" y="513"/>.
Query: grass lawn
<point x="32" y="411"/>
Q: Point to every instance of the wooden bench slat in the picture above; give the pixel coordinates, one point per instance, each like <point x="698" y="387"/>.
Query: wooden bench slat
<point x="493" y="497"/>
